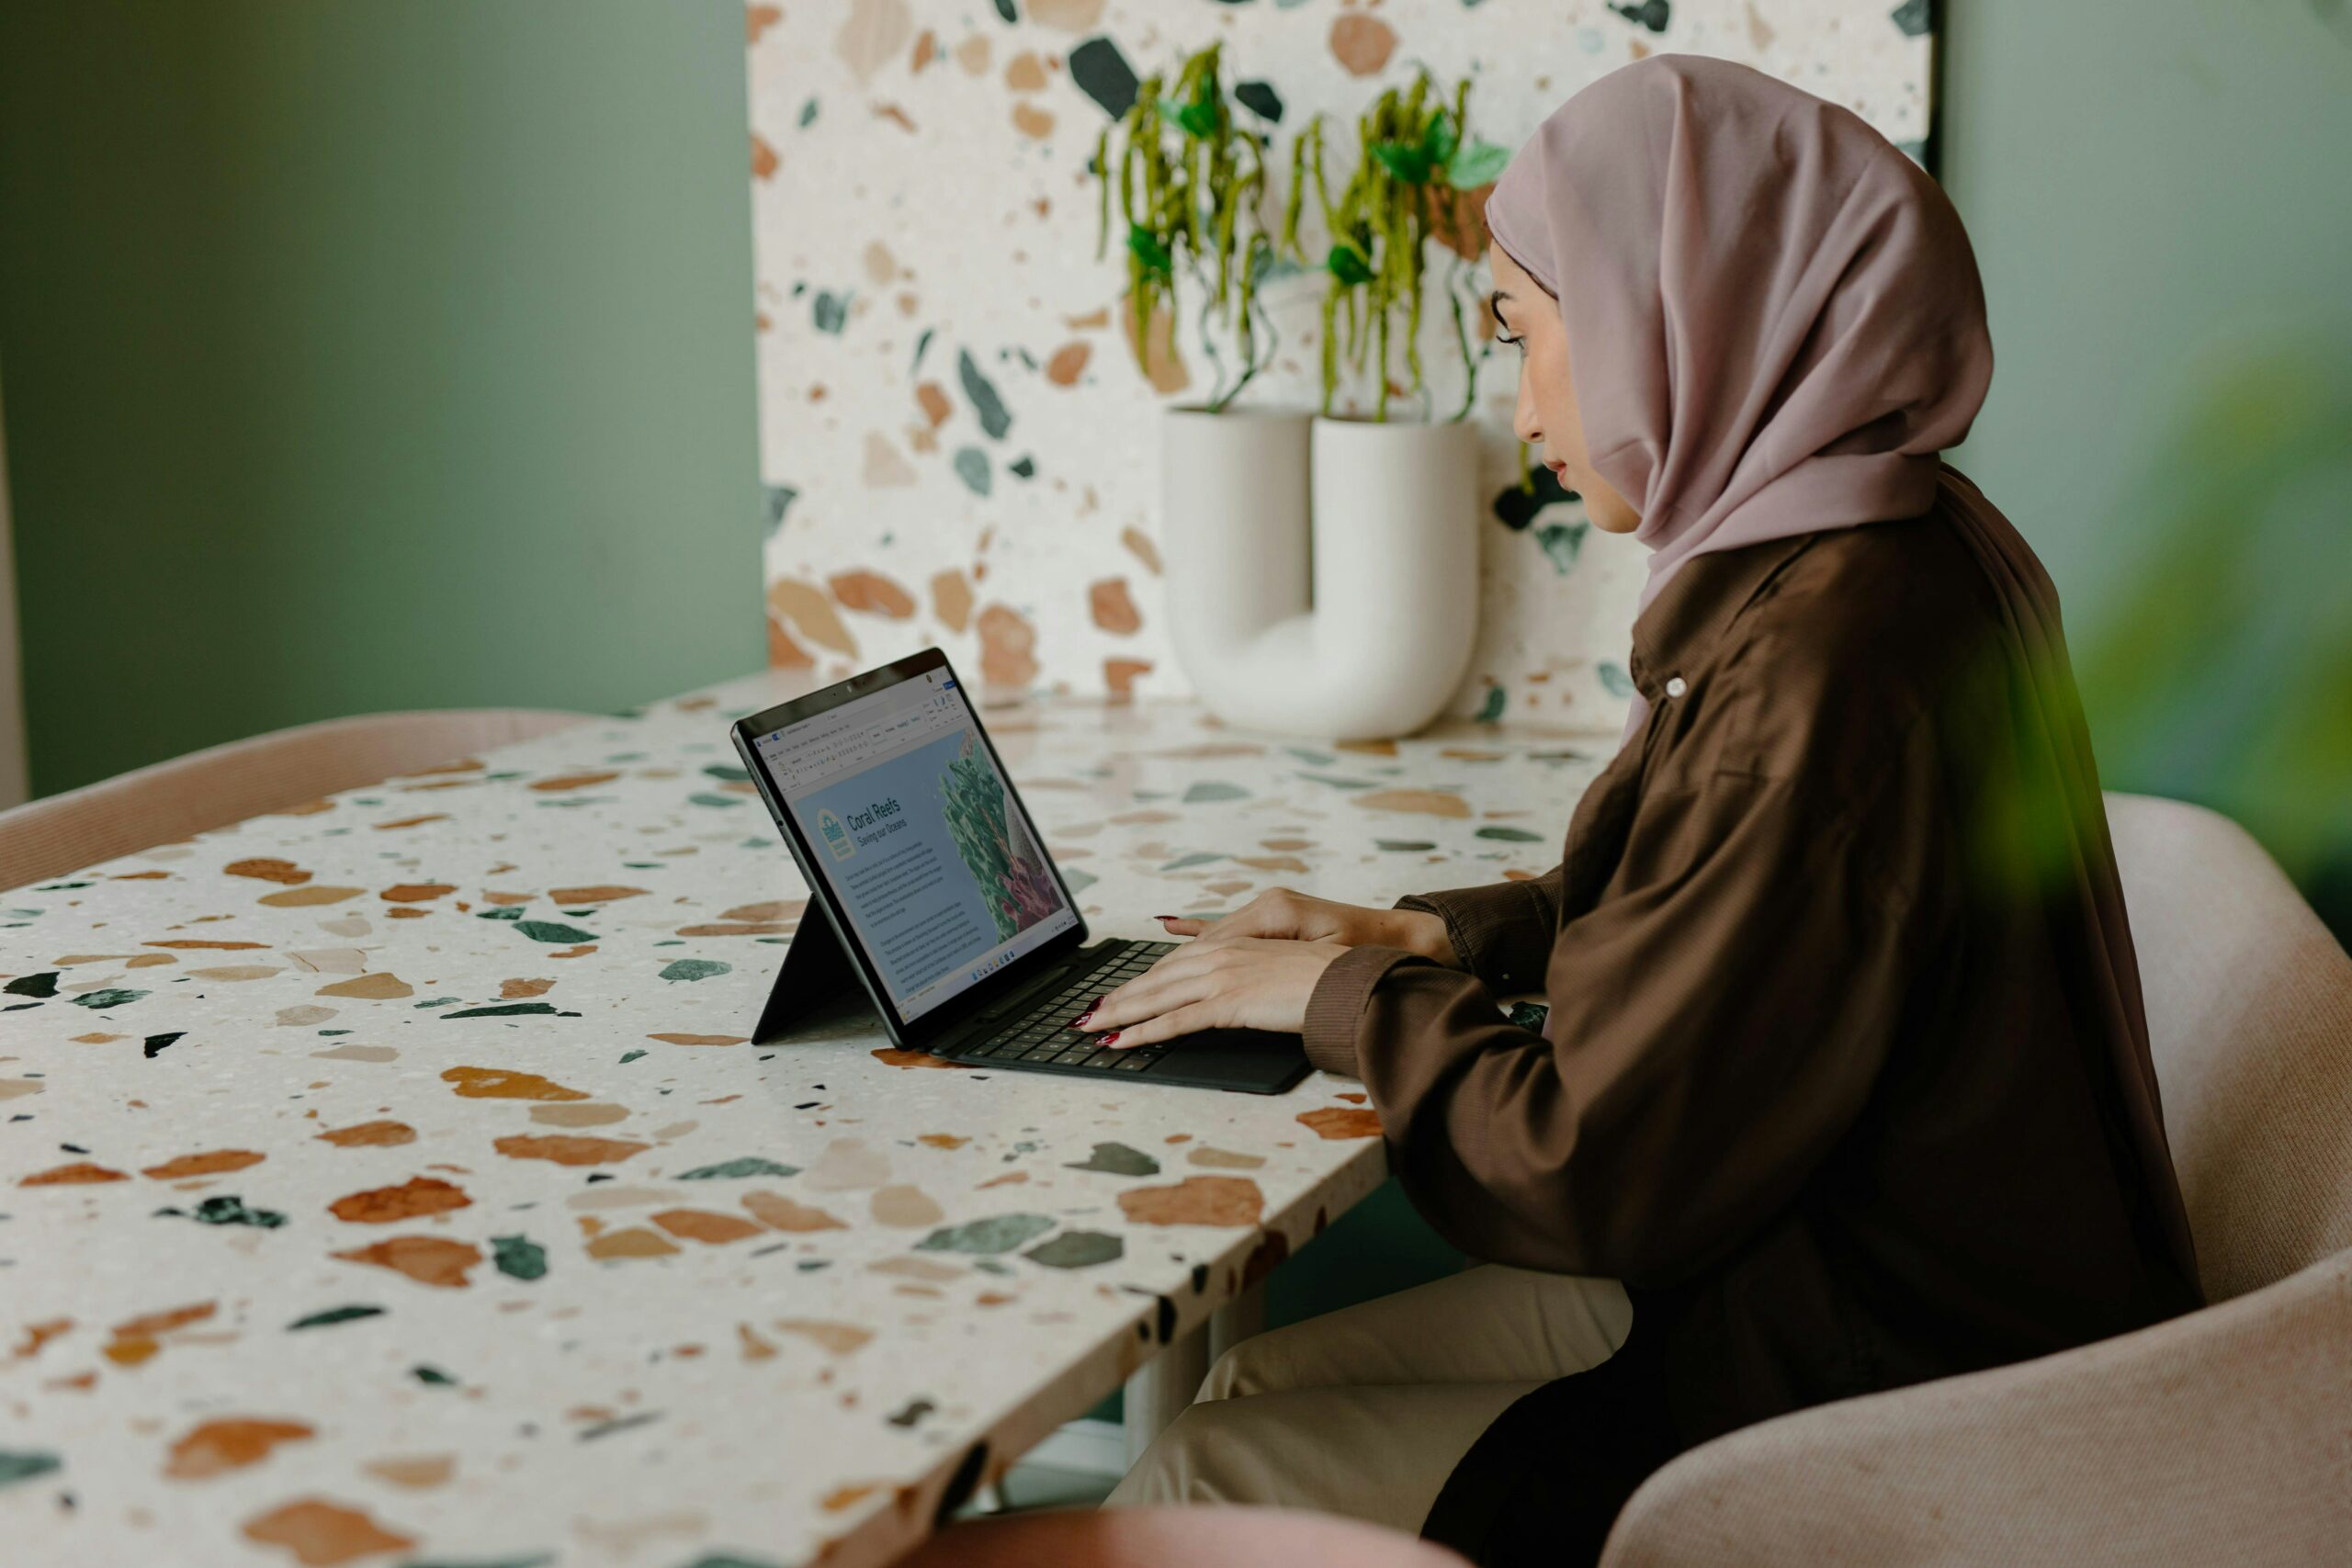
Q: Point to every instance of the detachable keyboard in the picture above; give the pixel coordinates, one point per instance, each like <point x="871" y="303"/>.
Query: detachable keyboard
<point x="1038" y="1038"/>
<point x="1042" y="1035"/>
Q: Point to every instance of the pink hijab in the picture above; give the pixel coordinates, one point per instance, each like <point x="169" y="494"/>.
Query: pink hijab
<point x="1773" y="315"/>
<point x="1776" y="325"/>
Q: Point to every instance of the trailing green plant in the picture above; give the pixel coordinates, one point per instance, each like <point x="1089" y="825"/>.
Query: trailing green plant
<point x="1189" y="179"/>
<point x="1416" y="155"/>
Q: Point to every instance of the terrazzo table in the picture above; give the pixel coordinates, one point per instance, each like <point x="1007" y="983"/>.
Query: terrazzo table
<point x="390" y="1180"/>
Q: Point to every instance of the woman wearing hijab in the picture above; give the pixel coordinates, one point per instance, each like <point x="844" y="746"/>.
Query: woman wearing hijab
<point x="1845" y="1083"/>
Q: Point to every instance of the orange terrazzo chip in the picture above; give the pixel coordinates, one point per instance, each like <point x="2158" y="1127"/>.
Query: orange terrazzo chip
<point x="418" y="1196"/>
<point x="268" y="870"/>
<point x="703" y="1225"/>
<point x="304" y="897"/>
<point x="212" y="1163"/>
<point x="602" y="893"/>
<point x="499" y="1083"/>
<point x="634" y="1241"/>
<point x="772" y="909"/>
<point x="320" y="1534"/>
<point x="427" y="1259"/>
<point x="836" y="1338"/>
<point x="1342" y="1121"/>
<point x="782" y="1213"/>
<point x="564" y="1150"/>
<point x="891" y="1056"/>
<point x="369" y="1135"/>
<point x="80" y="1173"/>
<point x="1196" y="1201"/>
<point x="230" y="1443"/>
<point x="386" y="987"/>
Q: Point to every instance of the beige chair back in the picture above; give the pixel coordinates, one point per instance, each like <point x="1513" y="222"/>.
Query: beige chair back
<point x="2249" y="1003"/>
<point x="204" y="790"/>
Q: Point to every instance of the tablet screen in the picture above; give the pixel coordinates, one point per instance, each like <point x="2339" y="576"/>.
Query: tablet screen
<point x="944" y="877"/>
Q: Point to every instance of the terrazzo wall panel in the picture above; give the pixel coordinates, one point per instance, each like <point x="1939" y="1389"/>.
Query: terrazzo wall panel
<point x="958" y="441"/>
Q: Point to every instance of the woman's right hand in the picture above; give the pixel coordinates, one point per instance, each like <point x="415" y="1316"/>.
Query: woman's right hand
<point x="1301" y="917"/>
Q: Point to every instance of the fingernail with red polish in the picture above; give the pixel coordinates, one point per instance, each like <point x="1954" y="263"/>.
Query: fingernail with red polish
<point x="1110" y="1039"/>
<point x="1079" y="1021"/>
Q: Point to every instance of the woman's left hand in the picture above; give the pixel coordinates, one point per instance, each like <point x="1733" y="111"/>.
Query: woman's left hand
<point x="1243" y="982"/>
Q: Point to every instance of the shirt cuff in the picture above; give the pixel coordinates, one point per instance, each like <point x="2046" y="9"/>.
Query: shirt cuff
<point x="1337" y="1003"/>
<point x="1503" y="931"/>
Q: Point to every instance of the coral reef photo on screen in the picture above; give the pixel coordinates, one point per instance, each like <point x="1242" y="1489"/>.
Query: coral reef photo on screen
<point x="1011" y="872"/>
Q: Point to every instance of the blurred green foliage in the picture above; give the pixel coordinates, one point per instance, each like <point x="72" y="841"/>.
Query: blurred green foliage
<point x="2221" y="669"/>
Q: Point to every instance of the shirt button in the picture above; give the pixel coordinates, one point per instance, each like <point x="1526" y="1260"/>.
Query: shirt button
<point x="1676" y="686"/>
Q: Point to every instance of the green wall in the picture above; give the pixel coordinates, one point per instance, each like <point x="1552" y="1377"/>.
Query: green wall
<point x="371" y="355"/>
<point x="2159" y="204"/>
<point x="2144" y="186"/>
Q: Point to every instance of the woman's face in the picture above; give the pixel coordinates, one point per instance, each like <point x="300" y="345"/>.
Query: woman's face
<point x="1546" y="417"/>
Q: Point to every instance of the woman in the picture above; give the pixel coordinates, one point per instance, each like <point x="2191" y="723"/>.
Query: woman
<point x="1845" y="1083"/>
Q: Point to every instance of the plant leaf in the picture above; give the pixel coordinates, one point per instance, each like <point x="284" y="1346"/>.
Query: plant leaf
<point x="1408" y="163"/>
<point x="1475" y="164"/>
<point x="1440" y="139"/>
<point x="1347" y="265"/>
<point x="1197" y="119"/>
<point x="1149" y="251"/>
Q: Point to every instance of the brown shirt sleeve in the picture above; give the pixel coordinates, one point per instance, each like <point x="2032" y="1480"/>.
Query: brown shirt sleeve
<point x="1501" y="931"/>
<point x="1718" y="1016"/>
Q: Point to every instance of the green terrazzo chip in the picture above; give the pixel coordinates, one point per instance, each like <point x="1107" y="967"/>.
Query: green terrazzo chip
<point x="23" y="1464"/>
<point x="1118" y="1159"/>
<point x="1002" y="1232"/>
<point x="553" y="930"/>
<point x="748" y="1164"/>
<point x="1078" y="1249"/>
<point x="519" y="1257"/>
<point x="228" y="1210"/>
<point x="334" y="1315"/>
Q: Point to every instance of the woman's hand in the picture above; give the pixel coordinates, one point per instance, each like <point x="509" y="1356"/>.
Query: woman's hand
<point x="1301" y="917"/>
<point x="1223" y="982"/>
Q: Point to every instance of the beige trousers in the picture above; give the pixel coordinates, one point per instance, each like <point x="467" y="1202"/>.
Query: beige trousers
<point x="1363" y="1412"/>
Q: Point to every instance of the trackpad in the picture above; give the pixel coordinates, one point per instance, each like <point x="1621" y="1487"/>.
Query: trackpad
<point x="1259" y="1059"/>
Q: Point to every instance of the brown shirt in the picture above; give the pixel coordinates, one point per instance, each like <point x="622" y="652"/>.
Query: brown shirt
<point x="1827" y="1081"/>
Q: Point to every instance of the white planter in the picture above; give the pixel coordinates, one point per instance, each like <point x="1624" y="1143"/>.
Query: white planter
<point x="1322" y="573"/>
